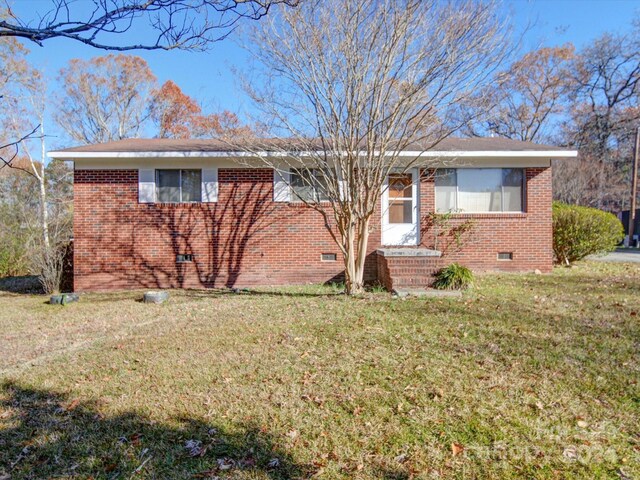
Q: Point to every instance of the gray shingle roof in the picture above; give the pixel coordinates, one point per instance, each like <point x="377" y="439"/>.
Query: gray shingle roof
<point x="213" y="145"/>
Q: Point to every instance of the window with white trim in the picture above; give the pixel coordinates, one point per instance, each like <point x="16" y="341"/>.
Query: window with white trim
<point x="308" y="184"/>
<point x="479" y="190"/>
<point x="179" y="186"/>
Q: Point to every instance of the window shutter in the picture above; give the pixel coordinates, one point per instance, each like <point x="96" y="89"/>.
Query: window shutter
<point x="281" y="180"/>
<point x="210" y="185"/>
<point x="146" y="186"/>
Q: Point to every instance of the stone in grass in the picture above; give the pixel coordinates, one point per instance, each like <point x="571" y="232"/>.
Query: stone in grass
<point x="155" y="297"/>
<point x="240" y="290"/>
<point x="63" y="298"/>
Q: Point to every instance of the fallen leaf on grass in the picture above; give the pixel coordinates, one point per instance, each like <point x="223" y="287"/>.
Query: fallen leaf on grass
<point x="401" y="458"/>
<point x="194" y="448"/>
<point x="225" y="463"/>
<point x="570" y="452"/>
<point x="457" y="448"/>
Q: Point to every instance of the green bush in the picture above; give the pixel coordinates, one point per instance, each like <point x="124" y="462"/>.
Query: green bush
<point x="453" y="277"/>
<point x="13" y="257"/>
<point x="581" y="231"/>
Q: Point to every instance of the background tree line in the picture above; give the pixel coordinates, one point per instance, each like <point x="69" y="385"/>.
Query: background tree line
<point x="586" y="100"/>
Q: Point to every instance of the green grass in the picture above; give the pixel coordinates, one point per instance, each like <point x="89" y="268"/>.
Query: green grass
<point x="535" y="376"/>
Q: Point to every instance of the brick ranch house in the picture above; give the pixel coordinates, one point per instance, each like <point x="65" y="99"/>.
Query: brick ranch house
<point x="187" y="214"/>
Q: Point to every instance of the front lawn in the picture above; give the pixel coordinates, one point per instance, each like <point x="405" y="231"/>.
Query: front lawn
<point x="526" y="376"/>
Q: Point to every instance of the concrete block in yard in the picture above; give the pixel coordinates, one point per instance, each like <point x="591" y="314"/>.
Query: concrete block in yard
<point x="425" y="292"/>
<point x="155" y="297"/>
<point x="63" y="298"/>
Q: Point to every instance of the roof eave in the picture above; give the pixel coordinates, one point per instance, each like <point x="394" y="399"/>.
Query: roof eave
<point x="554" y="154"/>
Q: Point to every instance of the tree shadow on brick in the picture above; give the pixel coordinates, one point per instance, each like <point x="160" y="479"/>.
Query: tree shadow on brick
<point x="216" y="235"/>
<point x="243" y="239"/>
<point x="47" y="434"/>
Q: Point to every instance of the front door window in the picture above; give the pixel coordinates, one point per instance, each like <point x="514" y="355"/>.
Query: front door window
<point x="400" y="198"/>
<point x="400" y="209"/>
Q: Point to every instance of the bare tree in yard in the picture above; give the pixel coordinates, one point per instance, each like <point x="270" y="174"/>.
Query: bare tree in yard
<point x="606" y="76"/>
<point x="351" y="84"/>
<point x="105" y="98"/>
<point x="186" y="24"/>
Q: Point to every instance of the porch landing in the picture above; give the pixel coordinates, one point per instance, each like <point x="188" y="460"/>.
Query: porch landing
<point x="403" y="268"/>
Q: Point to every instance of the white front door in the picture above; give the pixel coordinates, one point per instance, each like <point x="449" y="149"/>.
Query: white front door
<point x="400" y="209"/>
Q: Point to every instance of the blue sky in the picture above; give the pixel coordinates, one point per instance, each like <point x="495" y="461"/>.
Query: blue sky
<point x="207" y="76"/>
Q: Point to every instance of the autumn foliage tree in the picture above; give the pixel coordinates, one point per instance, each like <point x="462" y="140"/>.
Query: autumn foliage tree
<point x="173" y="111"/>
<point x="224" y="125"/>
<point x="178" y="115"/>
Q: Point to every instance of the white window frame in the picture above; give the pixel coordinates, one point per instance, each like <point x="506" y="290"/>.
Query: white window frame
<point x="179" y="170"/>
<point x="294" y="197"/>
<point x="501" y="211"/>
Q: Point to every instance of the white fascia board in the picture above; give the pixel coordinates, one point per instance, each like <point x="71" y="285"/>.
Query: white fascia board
<point x="416" y="154"/>
<point x="495" y="153"/>
<point x="97" y="155"/>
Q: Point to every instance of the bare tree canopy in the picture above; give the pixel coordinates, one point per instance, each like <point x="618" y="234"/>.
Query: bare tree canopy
<point x="603" y="115"/>
<point x="105" y="98"/>
<point x="528" y="98"/>
<point x="185" y="24"/>
<point x="364" y="80"/>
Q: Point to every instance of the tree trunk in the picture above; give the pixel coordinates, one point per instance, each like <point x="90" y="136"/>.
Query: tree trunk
<point x="355" y="264"/>
<point x="349" y="260"/>
<point x="43" y="191"/>
<point x="44" y="211"/>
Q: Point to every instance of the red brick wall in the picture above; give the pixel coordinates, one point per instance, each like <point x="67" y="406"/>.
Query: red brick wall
<point x="245" y="239"/>
<point x="527" y="235"/>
